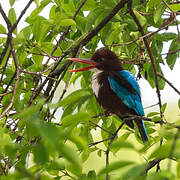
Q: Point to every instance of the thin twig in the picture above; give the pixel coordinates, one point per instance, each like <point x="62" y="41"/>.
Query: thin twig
<point x="109" y="145"/>
<point x="11" y="27"/>
<point x="5" y="93"/>
<point x="170" y="84"/>
<point x="105" y="130"/>
<point x="98" y="142"/>
<point x="151" y="164"/>
<point x="16" y="80"/>
<point x="8" y="23"/>
<point x="143" y="36"/>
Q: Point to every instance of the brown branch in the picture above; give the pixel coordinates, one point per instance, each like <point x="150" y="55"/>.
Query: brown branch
<point x="143" y="36"/>
<point x="5" y="93"/>
<point x="151" y="164"/>
<point x="65" y="32"/>
<point x="109" y="145"/>
<point x="6" y="111"/>
<point x="82" y="43"/>
<point x="7" y="87"/>
<point x="167" y="5"/>
<point x="176" y="2"/>
<point x="94" y="32"/>
<point x="37" y="74"/>
<point x="170" y="84"/>
<point x="4" y="67"/>
<point x="66" y="86"/>
<point x="20" y="16"/>
<point x="11" y="27"/>
<point x="37" y="91"/>
<point x="8" y="23"/>
<point x="98" y="142"/>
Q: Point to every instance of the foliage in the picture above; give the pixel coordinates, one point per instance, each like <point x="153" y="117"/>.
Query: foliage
<point x="34" y="143"/>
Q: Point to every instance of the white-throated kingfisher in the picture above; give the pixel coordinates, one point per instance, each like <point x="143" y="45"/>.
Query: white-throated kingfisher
<point x="115" y="88"/>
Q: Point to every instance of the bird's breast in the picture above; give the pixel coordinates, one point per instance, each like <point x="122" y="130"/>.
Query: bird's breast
<point x="104" y="94"/>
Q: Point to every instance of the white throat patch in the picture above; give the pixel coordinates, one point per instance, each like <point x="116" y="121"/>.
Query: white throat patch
<point x="95" y="84"/>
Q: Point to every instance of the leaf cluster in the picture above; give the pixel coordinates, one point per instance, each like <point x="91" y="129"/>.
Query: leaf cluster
<point x="50" y="136"/>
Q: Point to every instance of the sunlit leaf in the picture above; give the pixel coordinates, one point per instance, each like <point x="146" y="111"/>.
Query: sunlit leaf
<point x="159" y="11"/>
<point x="115" y="165"/>
<point x="141" y="18"/>
<point x="40" y="154"/>
<point x="152" y="114"/>
<point x="136" y="171"/>
<point x="11" y="2"/>
<point x="178" y="170"/>
<point x="2" y="29"/>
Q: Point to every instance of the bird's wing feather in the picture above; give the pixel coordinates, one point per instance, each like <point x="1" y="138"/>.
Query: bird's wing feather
<point x="126" y="87"/>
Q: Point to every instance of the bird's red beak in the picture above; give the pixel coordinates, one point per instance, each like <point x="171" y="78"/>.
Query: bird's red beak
<point x="84" y="61"/>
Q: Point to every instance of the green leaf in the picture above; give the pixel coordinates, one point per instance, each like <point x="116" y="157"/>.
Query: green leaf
<point x="152" y="114"/>
<point x="152" y="3"/>
<point x="12" y="17"/>
<point x="166" y="36"/>
<point x="70" y="154"/>
<point x="105" y="32"/>
<point x="163" y="174"/>
<point x="175" y="7"/>
<point x="68" y="8"/>
<point x="40" y="154"/>
<point x="89" y="5"/>
<point x="73" y="120"/>
<point x="115" y="165"/>
<point x="156" y="118"/>
<point x="111" y="129"/>
<point x="109" y="4"/>
<point x="163" y="108"/>
<point x="172" y="54"/>
<point x="141" y="18"/>
<point x="158" y="12"/>
<point x="37" y="58"/>
<point x="85" y="155"/>
<point x="11" y="2"/>
<point x="43" y="4"/>
<point x="91" y="175"/>
<point x="179" y="103"/>
<point x="57" y="164"/>
<point x="74" y="97"/>
<point x="40" y="32"/>
<point x="135" y="172"/>
<point x="78" y="141"/>
<point x="161" y="152"/>
<point x="119" y="144"/>
<point x="2" y="29"/>
<point x="178" y="170"/>
<point x="131" y="24"/>
<point x="99" y="153"/>
<point x="67" y="22"/>
<point x="91" y="18"/>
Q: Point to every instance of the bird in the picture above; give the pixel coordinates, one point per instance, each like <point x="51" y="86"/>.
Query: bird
<point x="115" y="89"/>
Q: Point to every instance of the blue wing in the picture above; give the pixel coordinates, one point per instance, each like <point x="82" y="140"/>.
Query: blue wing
<point x="126" y="87"/>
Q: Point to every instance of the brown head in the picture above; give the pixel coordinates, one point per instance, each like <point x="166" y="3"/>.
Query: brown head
<point x="102" y="59"/>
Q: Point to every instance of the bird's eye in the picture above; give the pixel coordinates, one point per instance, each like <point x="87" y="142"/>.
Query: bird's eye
<point x="99" y="59"/>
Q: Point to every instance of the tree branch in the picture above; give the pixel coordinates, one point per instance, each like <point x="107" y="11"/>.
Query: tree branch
<point x="16" y="80"/>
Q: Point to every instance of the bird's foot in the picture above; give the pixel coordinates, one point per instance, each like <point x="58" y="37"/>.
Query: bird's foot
<point x="107" y="113"/>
